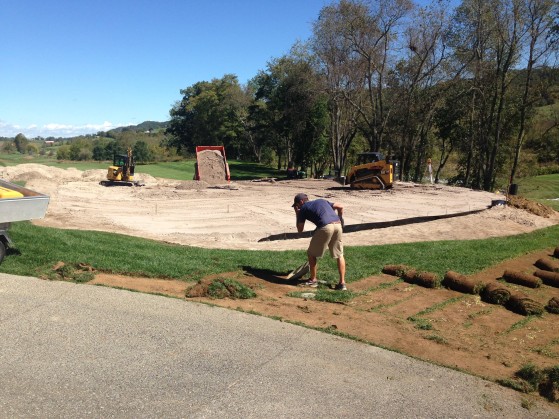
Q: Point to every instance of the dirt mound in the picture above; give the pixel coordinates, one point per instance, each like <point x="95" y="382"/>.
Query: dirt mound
<point x="94" y="175"/>
<point x="31" y="171"/>
<point x="191" y="185"/>
<point x="211" y="167"/>
<point x="536" y="208"/>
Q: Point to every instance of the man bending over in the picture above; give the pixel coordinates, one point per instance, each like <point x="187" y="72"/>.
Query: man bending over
<point x="327" y="217"/>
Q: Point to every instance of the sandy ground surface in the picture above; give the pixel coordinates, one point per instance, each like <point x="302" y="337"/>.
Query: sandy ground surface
<point x="245" y="215"/>
<point x="466" y="332"/>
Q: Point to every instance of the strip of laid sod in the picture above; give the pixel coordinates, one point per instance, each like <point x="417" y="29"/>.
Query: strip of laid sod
<point x="36" y="248"/>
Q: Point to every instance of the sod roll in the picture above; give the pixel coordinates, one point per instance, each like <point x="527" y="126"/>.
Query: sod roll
<point x="548" y="278"/>
<point x="547" y="264"/>
<point x="553" y="305"/>
<point x="427" y="279"/>
<point x="461" y="283"/>
<point x="409" y="275"/>
<point x="522" y="304"/>
<point x="495" y="293"/>
<point x="522" y="278"/>
<point x="395" y="270"/>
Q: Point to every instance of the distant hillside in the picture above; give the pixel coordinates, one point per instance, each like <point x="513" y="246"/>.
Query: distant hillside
<point x="151" y="126"/>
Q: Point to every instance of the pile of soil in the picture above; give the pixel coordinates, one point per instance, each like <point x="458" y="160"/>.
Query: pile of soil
<point x="531" y="206"/>
<point x="211" y="167"/>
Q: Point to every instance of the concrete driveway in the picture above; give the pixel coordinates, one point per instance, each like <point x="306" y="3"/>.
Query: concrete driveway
<point x="70" y="350"/>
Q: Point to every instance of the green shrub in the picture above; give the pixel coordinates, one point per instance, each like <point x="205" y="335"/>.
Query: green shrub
<point x="547" y="170"/>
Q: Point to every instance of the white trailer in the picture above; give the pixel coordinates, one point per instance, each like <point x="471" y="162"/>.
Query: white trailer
<point x="18" y="204"/>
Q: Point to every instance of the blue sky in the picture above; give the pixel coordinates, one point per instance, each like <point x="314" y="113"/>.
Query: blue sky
<point x="70" y="67"/>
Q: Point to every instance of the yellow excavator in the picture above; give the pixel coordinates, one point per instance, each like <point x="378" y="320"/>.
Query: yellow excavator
<point x="372" y="171"/>
<point x="121" y="173"/>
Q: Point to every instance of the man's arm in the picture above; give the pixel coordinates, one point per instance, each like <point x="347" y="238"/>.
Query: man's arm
<point x="339" y="208"/>
<point x="300" y="226"/>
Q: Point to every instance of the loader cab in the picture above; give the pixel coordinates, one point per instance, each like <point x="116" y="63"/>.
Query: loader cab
<point x="369" y="157"/>
<point x="124" y="162"/>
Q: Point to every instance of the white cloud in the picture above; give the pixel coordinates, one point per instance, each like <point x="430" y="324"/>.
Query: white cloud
<point x="56" y="127"/>
<point x="55" y="130"/>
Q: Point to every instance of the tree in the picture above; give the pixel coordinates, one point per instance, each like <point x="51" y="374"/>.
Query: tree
<point x="114" y="147"/>
<point x="372" y="27"/>
<point x="417" y="88"/>
<point x="487" y="34"/>
<point x="75" y="149"/>
<point x="245" y="144"/>
<point x="142" y="154"/>
<point x="85" y="154"/>
<point x="538" y="23"/>
<point x="32" y="149"/>
<point x="451" y="125"/>
<point x="340" y="66"/>
<point x="8" y="147"/>
<point x="257" y="132"/>
<point x="21" y="143"/>
<point x="208" y="114"/>
<point x="98" y="152"/>
<point x="63" y="152"/>
<point x="290" y="104"/>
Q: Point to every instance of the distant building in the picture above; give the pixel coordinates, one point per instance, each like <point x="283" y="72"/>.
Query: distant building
<point x="49" y="143"/>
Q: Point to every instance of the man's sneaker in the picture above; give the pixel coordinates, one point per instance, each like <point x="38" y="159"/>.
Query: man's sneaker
<point x="312" y="284"/>
<point x="341" y="287"/>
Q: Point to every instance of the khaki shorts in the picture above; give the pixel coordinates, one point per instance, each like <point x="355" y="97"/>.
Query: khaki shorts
<point x="329" y="236"/>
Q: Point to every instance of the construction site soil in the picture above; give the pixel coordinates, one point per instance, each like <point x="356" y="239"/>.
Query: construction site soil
<point x="466" y="332"/>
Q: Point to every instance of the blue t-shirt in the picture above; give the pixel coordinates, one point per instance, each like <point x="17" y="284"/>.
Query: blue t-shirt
<point x="320" y="212"/>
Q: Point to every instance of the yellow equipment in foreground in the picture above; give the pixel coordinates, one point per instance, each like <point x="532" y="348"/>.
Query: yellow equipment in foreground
<point x="18" y="204"/>
<point x="372" y="171"/>
<point x="122" y="171"/>
<point x="9" y="193"/>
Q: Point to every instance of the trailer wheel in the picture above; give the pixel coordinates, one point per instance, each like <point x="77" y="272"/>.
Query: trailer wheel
<point x="2" y="251"/>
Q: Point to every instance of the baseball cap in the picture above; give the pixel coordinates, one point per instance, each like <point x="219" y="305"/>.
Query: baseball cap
<point x="299" y="197"/>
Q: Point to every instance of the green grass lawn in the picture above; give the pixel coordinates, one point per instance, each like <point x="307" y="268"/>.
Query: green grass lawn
<point x="247" y="171"/>
<point x="37" y="249"/>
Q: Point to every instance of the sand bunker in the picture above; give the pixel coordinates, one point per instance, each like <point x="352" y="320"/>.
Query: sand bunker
<point x="237" y="215"/>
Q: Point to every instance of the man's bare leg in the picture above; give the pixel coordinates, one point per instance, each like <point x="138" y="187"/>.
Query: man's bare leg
<point x="313" y="267"/>
<point x="341" y="269"/>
